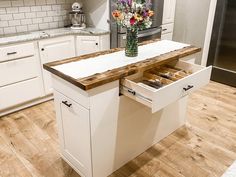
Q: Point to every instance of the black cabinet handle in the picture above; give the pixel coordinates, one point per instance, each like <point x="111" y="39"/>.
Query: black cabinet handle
<point x="96" y="43"/>
<point x="188" y="88"/>
<point x="11" y="53"/>
<point x="42" y="49"/>
<point x="132" y="92"/>
<point x="67" y="104"/>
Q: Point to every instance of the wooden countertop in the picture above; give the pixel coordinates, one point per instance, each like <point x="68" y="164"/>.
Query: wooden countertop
<point x="99" y="79"/>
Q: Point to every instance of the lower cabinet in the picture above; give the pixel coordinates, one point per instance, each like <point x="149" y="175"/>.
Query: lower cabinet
<point x="26" y="79"/>
<point x="91" y="44"/>
<point x="55" y="49"/>
<point x="64" y="47"/>
<point x="74" y="132"/>
<point x="87" y="44"/>
<point x="167" y="31"/>
<point x="20" y="75"/>
<point x="18" y="70"/>
<point x="21" y="92"/>
<point x="99" y="139"/>
<point x="167" y="36"/>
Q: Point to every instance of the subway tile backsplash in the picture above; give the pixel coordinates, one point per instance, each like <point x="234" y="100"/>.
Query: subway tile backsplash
<point x="18" y="16"/>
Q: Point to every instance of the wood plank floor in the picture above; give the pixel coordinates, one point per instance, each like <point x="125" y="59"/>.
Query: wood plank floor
<point x="205" y="147"/>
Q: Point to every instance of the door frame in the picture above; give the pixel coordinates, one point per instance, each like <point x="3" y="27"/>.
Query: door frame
<point x="219" y="74"/>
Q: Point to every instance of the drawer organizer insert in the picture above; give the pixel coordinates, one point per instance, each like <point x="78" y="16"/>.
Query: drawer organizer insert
<point x="162" y="85"/>
<point x="162" y="76"/>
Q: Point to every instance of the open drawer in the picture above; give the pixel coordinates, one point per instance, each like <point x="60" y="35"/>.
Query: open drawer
<point x="160" y="86"/>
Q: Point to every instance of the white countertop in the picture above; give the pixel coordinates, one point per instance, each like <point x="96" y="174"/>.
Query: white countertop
<point x="103" y="63"/>
<point x="30" y="36"/>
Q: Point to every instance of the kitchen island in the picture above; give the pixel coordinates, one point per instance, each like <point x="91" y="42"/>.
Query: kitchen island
<point x="108" y="112"/>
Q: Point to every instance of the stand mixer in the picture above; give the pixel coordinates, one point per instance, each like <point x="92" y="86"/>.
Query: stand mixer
<point x="77" y="16"/>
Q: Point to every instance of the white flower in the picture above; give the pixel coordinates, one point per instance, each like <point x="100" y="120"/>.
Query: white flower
<point x="128" y="16"/>
<point x="148" y="23"/>
<point x="127" y="23"/>
<point x="133" y="5"/>
<point x="138" y="6"/>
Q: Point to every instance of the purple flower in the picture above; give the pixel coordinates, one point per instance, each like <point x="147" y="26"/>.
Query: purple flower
<point x="124" y="2"/>
<point x="145" y="13"/>
<point x="129" y="2"/>
<point x="148" y="4"/>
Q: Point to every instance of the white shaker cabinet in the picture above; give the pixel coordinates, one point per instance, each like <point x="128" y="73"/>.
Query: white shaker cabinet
<point x="75" y="130"/>
<point x="87" y="44"/>
<point x="20" y="75"/>
<point x="167" y="36"/>
<point x="52" y="50"/>
<point x="168" y="19"/>
<point x="91" y="44"/>
<point x="169" y="11"/>
<point x="109" y="121"/>
<point x="27" y="83"/>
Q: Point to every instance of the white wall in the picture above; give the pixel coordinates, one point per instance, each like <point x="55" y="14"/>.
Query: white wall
<point x="97" y="13"/>
<point x="193" y="20"/>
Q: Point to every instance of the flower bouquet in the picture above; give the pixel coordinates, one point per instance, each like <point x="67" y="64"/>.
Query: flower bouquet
<point x="133" y="15"/>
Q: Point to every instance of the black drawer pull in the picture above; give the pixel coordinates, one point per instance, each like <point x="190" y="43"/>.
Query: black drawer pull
<point x="188" y="88"/>
<point x="66" y="103"/>
<point x="12" y="53"/>
<point x="132" y="92"/>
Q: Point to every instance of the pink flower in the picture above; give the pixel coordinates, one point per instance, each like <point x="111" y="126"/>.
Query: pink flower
<point x="132" y="21"/>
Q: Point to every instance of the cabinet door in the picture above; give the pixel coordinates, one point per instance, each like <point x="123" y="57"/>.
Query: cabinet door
<point x="87" y="44"/>
<point x="52" y="50"/>
<point x="167" y="36"/>
<point x="169" y="11"/>
<point x="74" y="133"/>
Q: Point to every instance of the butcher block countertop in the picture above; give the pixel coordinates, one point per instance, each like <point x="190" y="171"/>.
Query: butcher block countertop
<point x="93" y="70"/>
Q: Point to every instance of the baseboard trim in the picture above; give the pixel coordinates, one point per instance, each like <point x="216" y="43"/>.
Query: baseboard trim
<point x="25" y="105"/>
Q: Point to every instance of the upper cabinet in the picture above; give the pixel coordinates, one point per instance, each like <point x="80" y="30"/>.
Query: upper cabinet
<point x="168" y="19"/>
<point x="91" y="44"/>
<point x="55" y="49"/>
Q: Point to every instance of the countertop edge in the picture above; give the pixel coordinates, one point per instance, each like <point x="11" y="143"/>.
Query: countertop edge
<point x="29" y="38"/>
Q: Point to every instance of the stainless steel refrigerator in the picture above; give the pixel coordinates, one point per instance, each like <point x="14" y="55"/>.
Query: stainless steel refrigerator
<point x="222" y="53"/>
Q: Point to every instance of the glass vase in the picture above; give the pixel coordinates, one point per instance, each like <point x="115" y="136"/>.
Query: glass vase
<point x="131" y="49"/>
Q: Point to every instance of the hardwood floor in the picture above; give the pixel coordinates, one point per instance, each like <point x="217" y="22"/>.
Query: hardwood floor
<point x="205" y="147"/>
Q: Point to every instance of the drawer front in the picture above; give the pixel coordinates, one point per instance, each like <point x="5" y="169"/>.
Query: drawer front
<point x="21" y="92"/>
<point x="167" y="28"/>
<point x="181" y="88"/>
<point x="18" y="70"/>
<point x="16" y="51"/>
<point x="157" y="99"/>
